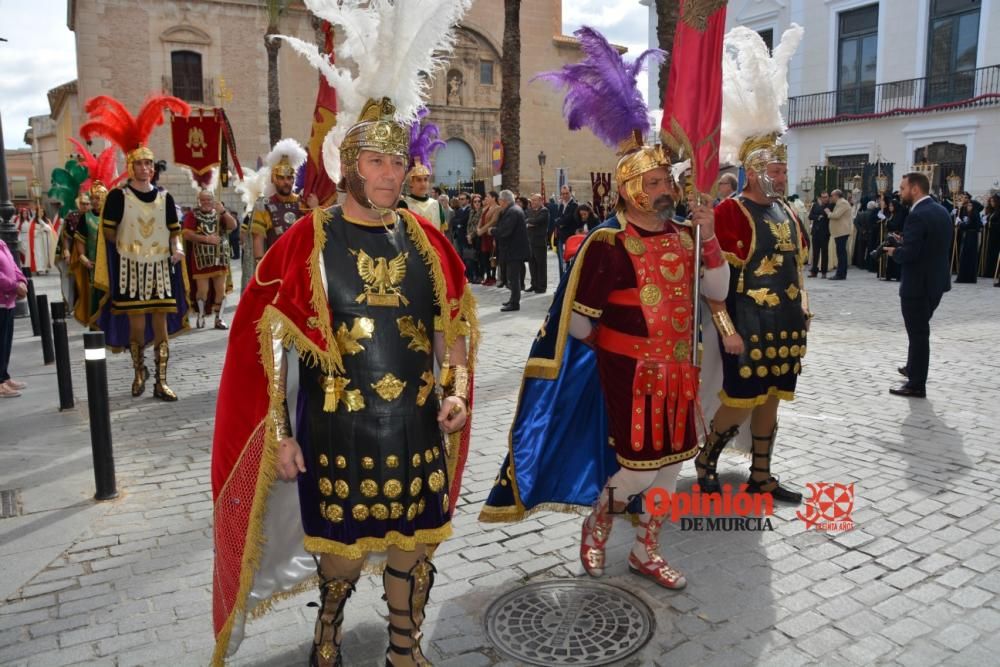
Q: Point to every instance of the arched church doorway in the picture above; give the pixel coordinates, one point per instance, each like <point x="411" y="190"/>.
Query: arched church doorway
<point x="454" y="164"/>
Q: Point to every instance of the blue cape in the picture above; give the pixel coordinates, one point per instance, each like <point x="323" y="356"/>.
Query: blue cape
<point x="559" y="455"/>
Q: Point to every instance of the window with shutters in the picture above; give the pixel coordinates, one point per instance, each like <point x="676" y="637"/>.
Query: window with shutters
<point x="186" y="76"/>
<point x="857" y="60"/>
<point x="952" y="46"/>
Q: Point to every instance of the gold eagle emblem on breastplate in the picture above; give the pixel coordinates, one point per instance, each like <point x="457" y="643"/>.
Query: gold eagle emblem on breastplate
<point x="782" y="232"/>
<point x="146" y="226"/>
<point x="382" y="278"/>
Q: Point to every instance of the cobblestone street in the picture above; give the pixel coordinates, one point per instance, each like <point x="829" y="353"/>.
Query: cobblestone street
<point x="917" y="582"/>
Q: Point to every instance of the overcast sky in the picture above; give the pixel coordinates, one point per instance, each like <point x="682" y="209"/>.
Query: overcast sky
<point x="39" y="52"/>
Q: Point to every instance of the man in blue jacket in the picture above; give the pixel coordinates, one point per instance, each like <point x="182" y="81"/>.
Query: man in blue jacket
<point x="923" y="252"/>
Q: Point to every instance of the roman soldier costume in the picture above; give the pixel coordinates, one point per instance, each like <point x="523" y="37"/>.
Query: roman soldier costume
<point x="101" y="174"/>
<point x="66" y="189"/>
<point x="423" y="141"/>
<point x="136" y="272"/>
<point x="275" y="213"/>
<point x="208" y="260"/>
<point x="333" y="345"/>
<point x="632" y="381"/>
<point x="766" y="248"/>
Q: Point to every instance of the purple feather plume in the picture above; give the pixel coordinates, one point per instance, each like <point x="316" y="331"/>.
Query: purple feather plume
<point x="300" y="176"/>
<point x="602" y="93"/>
<point x="423" y="139"/>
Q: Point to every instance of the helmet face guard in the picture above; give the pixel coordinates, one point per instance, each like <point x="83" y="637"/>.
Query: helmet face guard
<point x="758" y="152"/>
<point x="375" y="131"/>
<point x="629" y="173"/>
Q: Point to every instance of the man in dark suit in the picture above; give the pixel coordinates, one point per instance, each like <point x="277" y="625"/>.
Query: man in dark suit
<point x="512" y="234"/>
<point x="567" y="223"/>
<point x="459" y="230"/>
<point x="538" y="231"/>
<point x="820" y="235"/>
<point x="923" y="253"/>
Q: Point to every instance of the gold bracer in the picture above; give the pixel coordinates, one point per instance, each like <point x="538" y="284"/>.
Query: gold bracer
<point x="279" y="419"/>
<point x="724" y="323"/>
<point x="457" y="383"/>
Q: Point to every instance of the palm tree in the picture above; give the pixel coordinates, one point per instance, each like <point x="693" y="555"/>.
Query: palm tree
<point x="510" y="95"/>
<point x="275" y="8"/>
<point x="667" y="13"/>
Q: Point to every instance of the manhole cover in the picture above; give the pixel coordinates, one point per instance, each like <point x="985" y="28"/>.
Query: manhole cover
<point x="569" y="623"/>
<point x="10" y="503"/>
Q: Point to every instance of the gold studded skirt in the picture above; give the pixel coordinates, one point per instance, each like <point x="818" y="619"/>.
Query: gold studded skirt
<point x="372" y="480"/>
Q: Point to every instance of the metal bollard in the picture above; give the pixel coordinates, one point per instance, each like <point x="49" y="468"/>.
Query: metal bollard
<point x="100" y="415"/>
<point x="63" y="369"/>
<point x="32" y="305"/>
<point x="48" y="354"/>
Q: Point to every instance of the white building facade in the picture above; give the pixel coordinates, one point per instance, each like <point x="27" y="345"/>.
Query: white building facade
<point x="899" y="81"/>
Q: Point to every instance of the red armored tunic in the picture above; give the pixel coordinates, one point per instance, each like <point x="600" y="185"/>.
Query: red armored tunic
<point x="638" y="285"/>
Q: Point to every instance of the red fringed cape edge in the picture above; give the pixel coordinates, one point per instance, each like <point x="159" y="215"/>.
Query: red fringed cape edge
<point x="286" y="297"/>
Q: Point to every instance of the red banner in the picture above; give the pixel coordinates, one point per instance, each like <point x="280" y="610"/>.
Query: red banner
<point x="317" y="181"/>
<point x="692" y="102"/>
<point x="197" y="142"/>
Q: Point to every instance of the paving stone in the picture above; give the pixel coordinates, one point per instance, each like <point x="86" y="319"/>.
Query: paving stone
<point x="970" y="598"/>
<point x="957" y="636"/>
<point x="822" y="642"/>
<point x="922" y="654"/>
<point x="904" y="631"/>
<point x="801" y="624"/>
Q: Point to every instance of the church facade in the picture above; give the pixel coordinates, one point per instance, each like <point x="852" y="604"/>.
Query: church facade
<point x="130" y="49"/>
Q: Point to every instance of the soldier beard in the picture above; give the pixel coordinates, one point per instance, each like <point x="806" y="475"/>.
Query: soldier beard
<point x="664" y="207"/>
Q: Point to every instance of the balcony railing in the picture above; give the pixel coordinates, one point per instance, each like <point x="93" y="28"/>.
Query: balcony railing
<point x="189" y="92"/>
<point x="958" y="90"/>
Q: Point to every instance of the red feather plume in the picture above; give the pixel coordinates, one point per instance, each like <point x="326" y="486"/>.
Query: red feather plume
<point x="110" y="119"/>
<point x="101" y="167"/>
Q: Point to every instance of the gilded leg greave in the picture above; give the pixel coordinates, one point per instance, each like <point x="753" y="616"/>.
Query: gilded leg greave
<point x="405" y="622"/>
<point x="160" y="388"/>
<point x="139" y="366"/>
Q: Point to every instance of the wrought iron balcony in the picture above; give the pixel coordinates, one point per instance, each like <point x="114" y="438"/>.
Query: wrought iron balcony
<point x="190" y="90"/>
<point x="958" y="90"/>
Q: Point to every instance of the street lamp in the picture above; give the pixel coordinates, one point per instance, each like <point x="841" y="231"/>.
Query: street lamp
<point x="806" y="187"/>
<point x="541" y="173"/>
<point x="954" y="185"/>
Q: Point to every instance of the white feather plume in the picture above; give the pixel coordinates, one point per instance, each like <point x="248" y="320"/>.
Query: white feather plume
<point x="754" y="86"/>
<point x="287" y="148"/>
<point x="387" y="45"/>
<point x="252" y="187"/>
<point x="213" y="180"/>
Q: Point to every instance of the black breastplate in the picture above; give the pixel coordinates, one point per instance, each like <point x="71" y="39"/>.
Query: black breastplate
<point x="765" y="295"/>
<point x="283" y="215"/>
<point x="382" y="298"/>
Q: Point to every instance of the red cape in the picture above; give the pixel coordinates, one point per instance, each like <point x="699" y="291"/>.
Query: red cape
<point x="286" y="294"/>
<point x="734" y="228"/>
